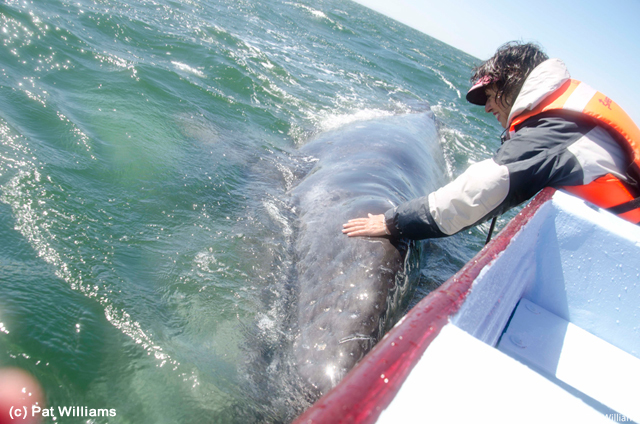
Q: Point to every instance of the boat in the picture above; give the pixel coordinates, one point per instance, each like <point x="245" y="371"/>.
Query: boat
<point x="542" y="325"/>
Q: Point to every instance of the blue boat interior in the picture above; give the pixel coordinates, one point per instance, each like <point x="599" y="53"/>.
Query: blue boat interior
<point x="564" y="300"/>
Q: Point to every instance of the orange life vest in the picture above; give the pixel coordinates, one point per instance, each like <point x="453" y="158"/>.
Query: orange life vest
<point x="608" y="191"/>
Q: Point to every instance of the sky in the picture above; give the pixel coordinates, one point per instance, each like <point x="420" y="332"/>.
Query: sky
<point x="599" y="40"/>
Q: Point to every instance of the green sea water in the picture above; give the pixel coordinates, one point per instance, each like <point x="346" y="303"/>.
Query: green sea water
<point x="144" y="150"/>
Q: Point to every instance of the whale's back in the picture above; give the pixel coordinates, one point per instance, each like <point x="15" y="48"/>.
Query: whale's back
<point x="344" y="284"/>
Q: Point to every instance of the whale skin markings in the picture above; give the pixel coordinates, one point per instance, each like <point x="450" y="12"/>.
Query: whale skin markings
<point x="345" y="285"/>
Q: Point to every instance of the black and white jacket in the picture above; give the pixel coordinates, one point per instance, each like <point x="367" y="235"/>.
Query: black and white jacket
<point x="553" y="149"/>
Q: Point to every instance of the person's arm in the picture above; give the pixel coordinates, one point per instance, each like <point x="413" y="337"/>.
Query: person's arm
<point x="459" y="204"/>
<point x="550" y="151"/>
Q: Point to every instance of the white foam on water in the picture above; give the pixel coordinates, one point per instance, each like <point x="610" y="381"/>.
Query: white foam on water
<point x="334" y="121"/>
<point x="314" y="12"/>
<point x="275" y="214"/>
<point x="118" y="62"/>
<point x="446" y="81"/>
<point x="186" y="68"/>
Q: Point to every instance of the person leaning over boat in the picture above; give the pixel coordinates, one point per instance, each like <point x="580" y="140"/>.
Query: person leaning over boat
<point x="560" y="133"/>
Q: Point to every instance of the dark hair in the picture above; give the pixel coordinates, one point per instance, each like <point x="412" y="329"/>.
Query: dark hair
<point x="509" y="67"/>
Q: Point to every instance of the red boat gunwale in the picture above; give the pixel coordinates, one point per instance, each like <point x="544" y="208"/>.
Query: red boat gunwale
<point x="373" y="383"/>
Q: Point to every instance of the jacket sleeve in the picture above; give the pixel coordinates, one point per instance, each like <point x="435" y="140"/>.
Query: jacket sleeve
<point x="460" y="204"/>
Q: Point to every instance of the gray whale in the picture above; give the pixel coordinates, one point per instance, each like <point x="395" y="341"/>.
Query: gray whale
<point x="348" y="287"/>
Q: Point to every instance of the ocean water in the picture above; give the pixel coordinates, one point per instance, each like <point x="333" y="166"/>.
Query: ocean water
<point x="145" y="148"/>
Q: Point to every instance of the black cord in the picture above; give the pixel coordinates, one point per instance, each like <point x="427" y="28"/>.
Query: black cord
<point x="493" y="225"/>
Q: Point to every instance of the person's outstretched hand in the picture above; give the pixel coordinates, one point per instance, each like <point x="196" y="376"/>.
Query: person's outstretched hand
<point x="373" y="226"/>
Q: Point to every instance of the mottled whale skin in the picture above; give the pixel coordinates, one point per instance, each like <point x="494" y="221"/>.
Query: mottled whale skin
<point x="346" y="285"/>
